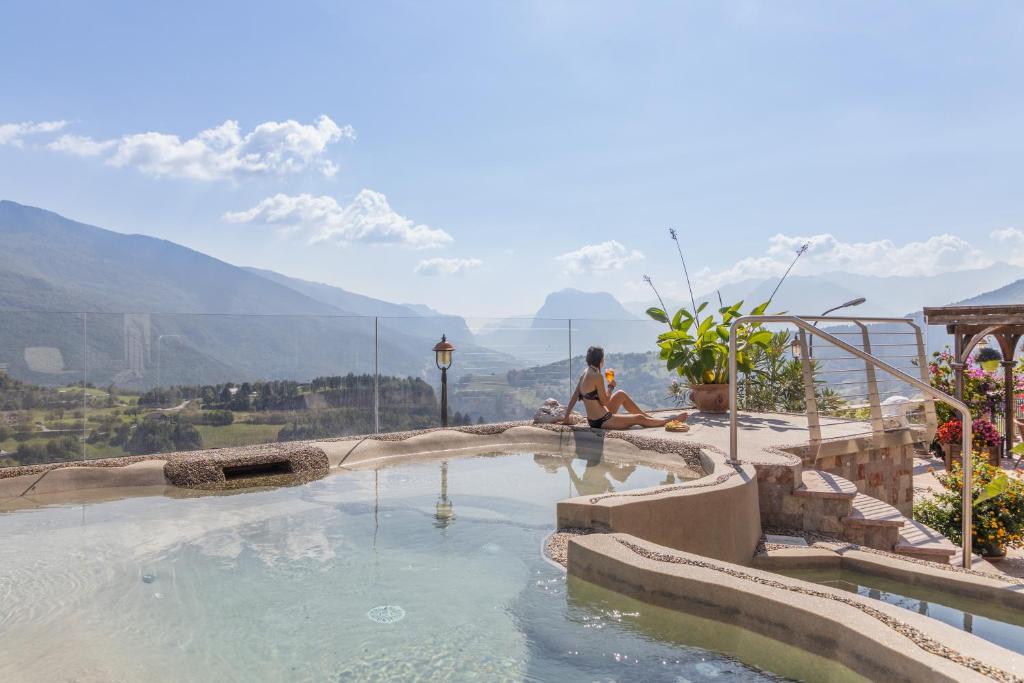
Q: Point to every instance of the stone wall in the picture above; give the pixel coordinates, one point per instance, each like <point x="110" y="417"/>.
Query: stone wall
<point x="881" y="468"/>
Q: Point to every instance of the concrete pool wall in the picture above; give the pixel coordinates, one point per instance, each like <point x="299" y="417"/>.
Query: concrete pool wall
<point x="879" y="641"/>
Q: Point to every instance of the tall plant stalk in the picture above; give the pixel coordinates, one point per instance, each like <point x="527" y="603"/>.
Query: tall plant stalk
<point x="693" y="300"/>
<point x="799" y="252"/>
<point x="648" y="280"/>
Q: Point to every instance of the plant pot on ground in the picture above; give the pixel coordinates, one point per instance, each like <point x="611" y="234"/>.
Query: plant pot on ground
<point x="698" y="350"/>
<point x="710" y="398"/>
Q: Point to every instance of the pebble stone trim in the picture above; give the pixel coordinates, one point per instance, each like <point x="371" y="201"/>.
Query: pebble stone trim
<point x="701" y="483"/>
<point x="918" y="637"/>
<point x="556" y="546"/>
<point x="689" y="451"/>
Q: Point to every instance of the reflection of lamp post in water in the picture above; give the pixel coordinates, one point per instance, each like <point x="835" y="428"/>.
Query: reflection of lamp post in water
<point x="443" y="512"/>
<point x="443" y="357"/>
<point x="160" y="339"/>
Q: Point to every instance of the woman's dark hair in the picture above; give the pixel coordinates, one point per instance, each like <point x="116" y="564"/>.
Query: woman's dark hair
<point x="595" y="356"/>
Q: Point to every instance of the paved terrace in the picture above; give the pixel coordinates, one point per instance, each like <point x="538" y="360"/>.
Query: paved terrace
<point x="759" y="431"/>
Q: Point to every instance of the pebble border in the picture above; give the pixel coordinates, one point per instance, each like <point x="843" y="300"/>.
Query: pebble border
<point x="688" y="451"/>
<point x="697" y="484"/>
<point x="918" y="637"/>
<point x="556" y="545"/>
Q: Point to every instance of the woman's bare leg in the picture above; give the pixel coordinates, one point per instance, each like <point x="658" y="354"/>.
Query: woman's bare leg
<point x="627" y="420"/>
<point x="620" y="399"/>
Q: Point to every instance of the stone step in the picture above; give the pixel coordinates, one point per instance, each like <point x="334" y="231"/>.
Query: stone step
<point x="824" y="485"/>
<point x="918" y="540"/>
<point x="868" y="511"/>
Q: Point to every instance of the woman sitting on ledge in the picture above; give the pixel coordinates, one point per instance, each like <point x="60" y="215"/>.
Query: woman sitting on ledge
<point x="601" y="408"/>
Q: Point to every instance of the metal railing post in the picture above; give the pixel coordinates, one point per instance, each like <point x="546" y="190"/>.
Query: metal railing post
<point x="931" y="420"/>
<point x="569" y="362"/>
<point x="733" y="388"/>
<point x="967" y="497"/>
<point x="874" y="401"/>
<point x="810" y="396"/>
<point x="376" y="375"/>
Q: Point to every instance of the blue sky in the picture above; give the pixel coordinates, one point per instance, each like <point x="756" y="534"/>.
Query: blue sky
<point x="508" y="149"/>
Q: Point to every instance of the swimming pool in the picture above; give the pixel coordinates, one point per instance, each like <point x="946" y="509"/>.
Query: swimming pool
<point x="993" y="622"/>
<point x="427" y="570"/>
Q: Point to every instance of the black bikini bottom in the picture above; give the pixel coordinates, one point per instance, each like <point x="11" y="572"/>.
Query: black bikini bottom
<point x="599" y="422"/>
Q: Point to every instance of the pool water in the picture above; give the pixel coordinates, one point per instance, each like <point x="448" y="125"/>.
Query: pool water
<point x="423" y="571"/>
<point x="995" y="623"/>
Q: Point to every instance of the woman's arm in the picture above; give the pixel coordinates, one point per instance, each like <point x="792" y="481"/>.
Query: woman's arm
<point x="569" y="406"/>
<point x="601" y="391"/>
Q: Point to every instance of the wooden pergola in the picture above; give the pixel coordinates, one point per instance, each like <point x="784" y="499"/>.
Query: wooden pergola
<point x="969" y="325"/>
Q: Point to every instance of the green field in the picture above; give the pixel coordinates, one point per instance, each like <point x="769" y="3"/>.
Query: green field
<point x="237" y="434"/>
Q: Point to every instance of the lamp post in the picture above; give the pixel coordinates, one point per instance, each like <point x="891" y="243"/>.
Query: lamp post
<point x="443" y="357"/>
<point x="849" y="304"/>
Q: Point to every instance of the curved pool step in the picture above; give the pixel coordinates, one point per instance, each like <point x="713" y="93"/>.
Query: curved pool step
<point x="816" y="483"/>
<point x="918" y="540"/>
<point x="873" y="523"/>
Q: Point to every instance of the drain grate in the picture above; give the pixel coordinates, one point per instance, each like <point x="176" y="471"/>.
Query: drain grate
<point x="263" y="469"/>
<point x="386" y="614"/>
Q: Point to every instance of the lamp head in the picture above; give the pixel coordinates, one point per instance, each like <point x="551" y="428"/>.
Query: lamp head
<point x="443" y="353"/>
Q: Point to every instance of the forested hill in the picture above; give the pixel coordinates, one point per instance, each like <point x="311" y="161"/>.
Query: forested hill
<point x="201" y="320"/>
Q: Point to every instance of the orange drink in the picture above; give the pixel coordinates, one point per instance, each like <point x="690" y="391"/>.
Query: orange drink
<point x="609" y="375"/>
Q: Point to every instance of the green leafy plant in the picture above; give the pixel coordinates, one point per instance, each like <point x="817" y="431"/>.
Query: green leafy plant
<point x="699" y="351"/>
<point x="776" y="382"/>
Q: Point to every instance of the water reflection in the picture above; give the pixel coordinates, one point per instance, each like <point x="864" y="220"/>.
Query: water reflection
<point x="598" y="476"/>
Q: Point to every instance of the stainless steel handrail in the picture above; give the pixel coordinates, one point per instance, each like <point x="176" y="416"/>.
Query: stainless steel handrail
<point x="965" y="412"/>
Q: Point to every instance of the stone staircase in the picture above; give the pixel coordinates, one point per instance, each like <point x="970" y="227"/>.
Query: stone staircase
<point x="829" y="504"/>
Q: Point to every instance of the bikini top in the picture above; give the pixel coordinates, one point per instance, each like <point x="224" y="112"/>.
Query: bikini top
<point x="590" y="395"/>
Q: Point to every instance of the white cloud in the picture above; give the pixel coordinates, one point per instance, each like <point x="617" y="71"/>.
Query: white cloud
<point x="446" y="266"/>
<point x="599" y="258"/>
<point x="219" y="153"/>
<point x="1007" y="235"/>
<point x="368" y="218"/>
<point x="13" y="133"/>
<point x="825" y="253"/>
<point x="80" y="146"/>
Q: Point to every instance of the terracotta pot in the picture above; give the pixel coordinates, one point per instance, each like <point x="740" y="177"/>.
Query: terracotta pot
<point x="993" y="553"/>
<point x="710" y="398"/>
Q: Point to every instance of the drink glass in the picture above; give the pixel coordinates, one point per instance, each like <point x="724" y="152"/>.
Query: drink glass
<point x="609" y="375"/>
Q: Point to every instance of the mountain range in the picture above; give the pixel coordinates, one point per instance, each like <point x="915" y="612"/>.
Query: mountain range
<point x="160" y="311"/>
<point x="888" y="296"/>
<point x="79" y="301"/>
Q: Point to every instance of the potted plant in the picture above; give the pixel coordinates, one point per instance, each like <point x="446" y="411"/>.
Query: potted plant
<point x="984" y="438"/>
<point x="988" y="358"/>
<point x="998" y="509"/>
<point x="698" y="349"/>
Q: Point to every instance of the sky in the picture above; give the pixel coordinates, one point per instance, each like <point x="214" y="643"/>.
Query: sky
<point x="475" y="156"/>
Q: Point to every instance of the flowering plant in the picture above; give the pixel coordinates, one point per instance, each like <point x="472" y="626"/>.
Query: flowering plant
<point x="983" y="433"/>
<point x="982" y="391"/>
<point x="998" y="507"/>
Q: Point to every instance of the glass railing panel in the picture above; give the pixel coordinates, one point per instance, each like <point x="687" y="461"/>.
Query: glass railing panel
<point x="45" y="387"/>
<point x="187" y="382"/>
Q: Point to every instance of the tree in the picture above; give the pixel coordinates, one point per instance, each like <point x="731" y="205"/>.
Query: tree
<point x="163" y="435"/>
